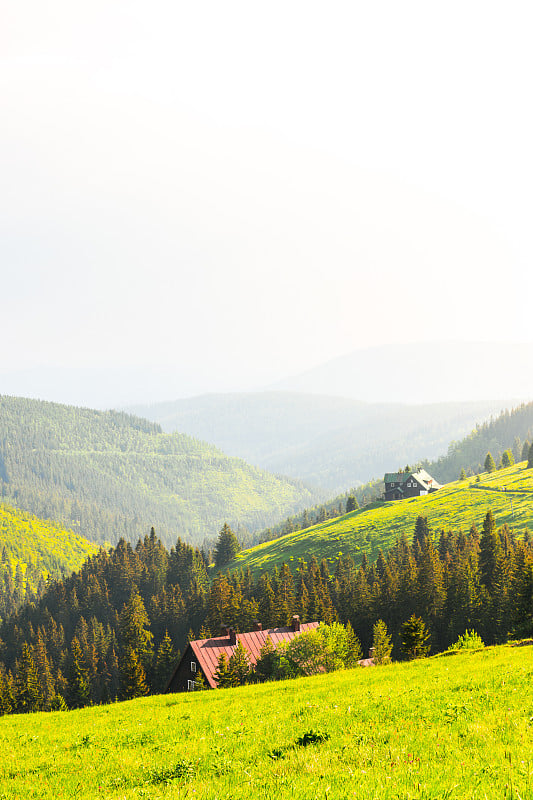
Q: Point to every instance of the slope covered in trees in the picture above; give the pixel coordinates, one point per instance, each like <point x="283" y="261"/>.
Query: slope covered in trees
<point x="509" y="430"/>
<point x="108" y="475"/>
<point x="32" y="551"/>
<point x="331" y="442"/>
<point x="113" y="629"/>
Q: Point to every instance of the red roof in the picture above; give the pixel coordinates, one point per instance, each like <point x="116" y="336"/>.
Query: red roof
<point x="207" y="651"/>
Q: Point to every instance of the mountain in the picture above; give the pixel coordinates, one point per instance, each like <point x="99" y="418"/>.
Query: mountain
<point x="330" y="442"/>
<point x="110" y="475"/>
<point x="508" y="493"/>
<point x="432" y="372"/>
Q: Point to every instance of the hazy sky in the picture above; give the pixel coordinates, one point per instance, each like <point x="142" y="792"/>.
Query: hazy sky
<point x="238" y="190"/>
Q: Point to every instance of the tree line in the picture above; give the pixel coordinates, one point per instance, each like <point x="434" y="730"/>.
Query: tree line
<point x="114" y="629"/>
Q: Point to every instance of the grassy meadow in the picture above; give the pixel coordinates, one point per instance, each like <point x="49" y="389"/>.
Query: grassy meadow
<point x="457" y="726"/>
<point x="507" y="492"/>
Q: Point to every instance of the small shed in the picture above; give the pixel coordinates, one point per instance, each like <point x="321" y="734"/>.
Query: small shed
<point x="201" y="656"/>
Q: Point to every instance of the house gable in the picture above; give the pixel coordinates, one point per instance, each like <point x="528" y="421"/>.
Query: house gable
<point x="206" y="652"/>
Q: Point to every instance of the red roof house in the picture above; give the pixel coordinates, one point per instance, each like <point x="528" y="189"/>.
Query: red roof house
<point x="201" y="656"/>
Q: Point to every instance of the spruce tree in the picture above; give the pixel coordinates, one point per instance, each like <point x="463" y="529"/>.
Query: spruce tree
<point x="351" y="503"/>
<point x="507" y="459"/>
<point x="7" y="701"/>
<point x="227" y="546"/>
<point x="415" y="638"/>
<point x="239" y="666"/>
<point x="165" y="661"/>
<point x="132" y="675"/>
<point x="221" y="672"/>
<point x="524" y="456"/>
<point x="134" y="624"/>
<point x="78" y="686"/>
<point x="530" y="457"/>
<point x="381" y="643"/>
<point x="489" y="464"/>
<point x="27" y="686"/>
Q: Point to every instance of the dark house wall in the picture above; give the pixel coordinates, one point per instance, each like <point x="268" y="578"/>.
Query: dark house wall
<point x="180" y="680"/>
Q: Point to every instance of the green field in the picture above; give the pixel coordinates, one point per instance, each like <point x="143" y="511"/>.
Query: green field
<point x="446" y="727"/>
<point x="456" y="506"/>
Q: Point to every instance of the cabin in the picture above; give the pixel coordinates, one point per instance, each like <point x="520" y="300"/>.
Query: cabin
<point x="201" y="656"/>
<point x="399" y="485"/>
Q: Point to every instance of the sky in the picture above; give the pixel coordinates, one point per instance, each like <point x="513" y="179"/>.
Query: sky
<point x="213" y="196"/>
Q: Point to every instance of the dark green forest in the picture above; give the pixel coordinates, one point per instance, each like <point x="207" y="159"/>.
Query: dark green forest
<point x="108" y="475"/>
<point x="114" y="629"/>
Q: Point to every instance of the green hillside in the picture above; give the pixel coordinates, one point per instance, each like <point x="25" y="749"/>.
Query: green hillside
<point x="31" y="551"/>
<point x="445" y="727"/>
<point x="458" y="505"/>
<point x="110" y="475"/>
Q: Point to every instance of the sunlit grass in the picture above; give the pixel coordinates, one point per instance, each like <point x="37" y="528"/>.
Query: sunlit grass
<point x="458" y="726"/>
<point x="456" y="506"/>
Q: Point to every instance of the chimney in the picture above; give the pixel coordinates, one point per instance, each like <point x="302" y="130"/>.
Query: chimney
<point x="258" y="626"/>
<point x="232" y="636"/>
<point x="295" y="623"/>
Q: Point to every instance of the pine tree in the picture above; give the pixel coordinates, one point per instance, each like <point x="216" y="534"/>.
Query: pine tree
<point x="530" y="457"/>
<point x="507" y="459"/>
<point x="489" y="464"/>
<point x="415" y="638"/>
<point x="490" y="552"/>
<point x="134" y="624"/>
<point x="132" y="675"/>
<point x="239" y="666"/>
<point x="381" y="643"/>
<point x="165" y="661"/>
<point x="524" y="456"/>
<point x="462" y="474"/>
<point x="27" y="686"/>
<point x="78" y="686"/>
<point x="7" y="701"/>
<point x="227" y="546"/>
<point x="351" y="503"/>
<point x="221" y="672"/>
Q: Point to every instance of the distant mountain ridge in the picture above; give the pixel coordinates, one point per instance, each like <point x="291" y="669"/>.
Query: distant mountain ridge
<point x="109" y="475"/>
<point x="331" y="442"/>
<point x="418" y="372"/>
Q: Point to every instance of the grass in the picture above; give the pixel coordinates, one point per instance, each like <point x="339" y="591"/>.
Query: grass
<point x="456" y="506"/>
<point x="458" y="726"/>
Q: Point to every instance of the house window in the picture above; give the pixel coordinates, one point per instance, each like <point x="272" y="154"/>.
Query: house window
<point x="190" y="686"/>
<point x="193" y="666"/>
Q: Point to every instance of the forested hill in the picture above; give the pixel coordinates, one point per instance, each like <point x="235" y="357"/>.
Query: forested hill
<point x="509" y="430"/>
<point x="109" y="475"/>
<point x="31" y="552"/>
<point x="332" y="442"/>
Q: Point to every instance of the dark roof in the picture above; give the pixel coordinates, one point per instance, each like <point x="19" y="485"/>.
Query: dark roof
<point x="423" y="478"/>
<point x="207" y="651"/>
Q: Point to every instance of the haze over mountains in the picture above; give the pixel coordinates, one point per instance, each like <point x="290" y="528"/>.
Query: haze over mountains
<point x="329" y="442"/>
<point x="431" y="372"/>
